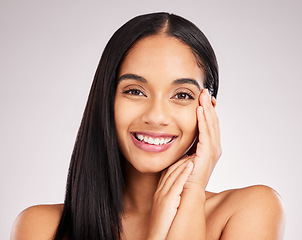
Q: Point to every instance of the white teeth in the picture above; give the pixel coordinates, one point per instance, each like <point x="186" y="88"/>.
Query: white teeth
<point x="154" y="141"/>
<point x="150" y="141"/>
<point x="140" y="137"/>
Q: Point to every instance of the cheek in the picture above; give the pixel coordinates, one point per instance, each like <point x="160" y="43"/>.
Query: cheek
<point x="124" y="115"/>
<point x="187" y="120"/>
<point x="120" y="117"/>
<point x="187" y="123"/>
<point x="122" y="121"/>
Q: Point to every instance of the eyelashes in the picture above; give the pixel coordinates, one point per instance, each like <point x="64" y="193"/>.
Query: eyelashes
<point x="181" y="95"/>
<point x="135" y="92"/>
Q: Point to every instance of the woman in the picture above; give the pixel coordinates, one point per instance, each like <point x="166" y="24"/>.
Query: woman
<point x="147" y="145"/>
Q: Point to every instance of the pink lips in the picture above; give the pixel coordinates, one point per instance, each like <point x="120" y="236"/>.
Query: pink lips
<point x="151" y="147"/>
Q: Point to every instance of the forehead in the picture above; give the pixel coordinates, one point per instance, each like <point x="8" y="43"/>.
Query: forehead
<point x="162" y="57"/>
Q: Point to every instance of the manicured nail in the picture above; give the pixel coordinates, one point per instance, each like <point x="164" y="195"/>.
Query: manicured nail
<point x="207" y="93"/>
<point x="201" y="108"/>
<point x="190" y="164"/>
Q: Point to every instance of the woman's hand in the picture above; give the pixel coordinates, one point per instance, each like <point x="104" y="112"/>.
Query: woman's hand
<point x="166" y="199"/>
<point x="190" y="220"/>
<point x="178" y="203"/>
<point x="208" y="148"/>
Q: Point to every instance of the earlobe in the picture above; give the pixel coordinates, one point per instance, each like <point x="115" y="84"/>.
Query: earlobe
<point x="213" y="100"/>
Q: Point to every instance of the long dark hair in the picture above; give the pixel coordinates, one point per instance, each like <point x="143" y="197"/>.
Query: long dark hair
<point x="93" y="205"/>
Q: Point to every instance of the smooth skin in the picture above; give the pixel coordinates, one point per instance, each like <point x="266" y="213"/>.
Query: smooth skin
<point x="165" y="195"/>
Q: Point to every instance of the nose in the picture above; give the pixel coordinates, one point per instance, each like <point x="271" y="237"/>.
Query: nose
<point x="156" y="113"/>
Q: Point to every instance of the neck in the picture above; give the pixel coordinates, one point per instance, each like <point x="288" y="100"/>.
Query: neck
<point x="139" y="190"/>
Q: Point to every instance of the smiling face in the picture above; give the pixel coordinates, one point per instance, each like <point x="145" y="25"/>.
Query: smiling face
<point x="159" y="83"/>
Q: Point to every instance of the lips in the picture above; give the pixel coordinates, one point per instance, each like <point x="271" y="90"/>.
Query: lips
<point x="152" y="142"/>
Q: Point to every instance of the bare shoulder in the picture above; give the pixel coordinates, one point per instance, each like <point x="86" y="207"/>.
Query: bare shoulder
<point x="254" y="212"/>
<point x="37" y="222"/>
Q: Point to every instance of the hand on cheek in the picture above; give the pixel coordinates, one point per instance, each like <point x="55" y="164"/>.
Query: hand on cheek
<point x="183" y="174"/>
<point x="192" y="149"/>
<point x="208" y="149"/>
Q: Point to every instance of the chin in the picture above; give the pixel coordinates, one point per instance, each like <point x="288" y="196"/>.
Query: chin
<point x="153" y="165"/>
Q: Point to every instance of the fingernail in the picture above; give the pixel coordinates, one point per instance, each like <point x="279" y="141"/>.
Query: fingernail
<point x="201" y="108"/>
<point x="190" y="164"/>
<point x="209" y="94"/>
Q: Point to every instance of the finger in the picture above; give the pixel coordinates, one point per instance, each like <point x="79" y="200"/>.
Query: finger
<point x="216" y="136"/>
<point x="165" y="174"/>
<point x="178" y="185"/>
<point x="202" y="127"/>
<point x="206" y="102"/>
<point x="217" y="128"/>
<point x="210" y="115"/>
<point x="212" y="122"/>
<point x="213" y="101"/>
<point x="173" y="176"/>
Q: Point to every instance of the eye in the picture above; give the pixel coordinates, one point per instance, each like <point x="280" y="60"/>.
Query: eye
<point x="183" y="96"/>
<point x="133" y="91"/>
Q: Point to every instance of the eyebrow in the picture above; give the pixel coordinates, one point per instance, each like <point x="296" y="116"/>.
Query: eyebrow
<point x="187" y="80"/>
<point x="143" y="80"/>
<point x="132" y="76"/>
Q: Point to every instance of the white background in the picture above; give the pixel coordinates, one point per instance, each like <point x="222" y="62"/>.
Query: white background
<point x="48" y="55"/>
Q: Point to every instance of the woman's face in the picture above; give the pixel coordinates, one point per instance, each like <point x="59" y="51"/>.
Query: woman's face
<point x="159" y="83"/>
